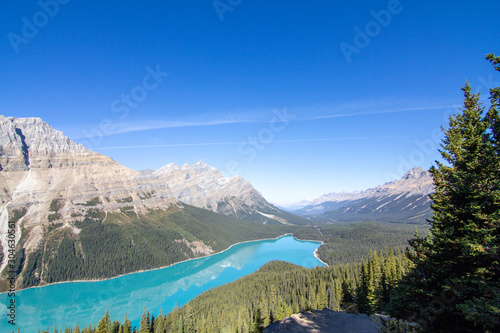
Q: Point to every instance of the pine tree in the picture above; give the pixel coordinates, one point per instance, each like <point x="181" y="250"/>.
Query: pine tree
<point x="188" y="320"/>
<point x="104" y="324"/>
<point x="455" y="282"/>
<point x="144" y="324"/>
<point x="180" y="325"/>
<point x="257" y="324"/>
<point x="347" y="294"/>
<point x="127" y="325"/>
<point x="364" y="291"/>
<point x="115" y="327"/>
<point x="375" y="281"/>
<point x="159" y="325"/>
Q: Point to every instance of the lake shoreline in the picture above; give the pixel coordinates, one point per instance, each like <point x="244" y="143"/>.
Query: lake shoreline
<point x="176" y="263"/>
<point x="316" y="255"/>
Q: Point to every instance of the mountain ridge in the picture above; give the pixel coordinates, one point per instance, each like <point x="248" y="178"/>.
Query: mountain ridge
<point x="403" y="200"/>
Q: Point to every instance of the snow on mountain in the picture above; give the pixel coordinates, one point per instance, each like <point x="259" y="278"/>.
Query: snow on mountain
<point x="403" y="199"/>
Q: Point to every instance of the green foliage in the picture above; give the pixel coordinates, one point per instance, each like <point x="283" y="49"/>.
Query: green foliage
<point x="93" y="202"/>
<point x="127" y="199"/>
<point x="55" y="205"/>
<point x="109" y="250"/>
<point x="391" y="325"/>
<point x="33" y="269"/>
<point x="54" y="217"/>
<point x="126" y="326"/>
<point x="350" y="242"/>
<point x="19" y="259"/>
<point x="144" y="325"/>
<point x="221" y="231"/>
<point x="17" y="214"/>
<point x="104" y="325"/>
<point x="456" y="281"/>
<point x="378" y="278"/>
<point x="54" y="226"/>
<point x="93" y="215"/>
<point x="258" y="322"/>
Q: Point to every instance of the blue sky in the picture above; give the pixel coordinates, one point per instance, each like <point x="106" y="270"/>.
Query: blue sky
<point x="288" y="94"/>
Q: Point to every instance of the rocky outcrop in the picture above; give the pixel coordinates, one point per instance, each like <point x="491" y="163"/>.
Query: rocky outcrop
<point x="323" y="321"/>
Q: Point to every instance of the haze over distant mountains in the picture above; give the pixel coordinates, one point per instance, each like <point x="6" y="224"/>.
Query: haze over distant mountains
<point x="404" y="200"/>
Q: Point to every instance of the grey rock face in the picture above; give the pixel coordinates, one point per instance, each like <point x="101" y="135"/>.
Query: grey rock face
<point x="204" y="186"/>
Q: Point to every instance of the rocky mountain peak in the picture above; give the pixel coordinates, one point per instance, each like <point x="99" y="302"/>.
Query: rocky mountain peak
<point x="169" y="168"/>
<point x="416" y="173"/>
<point x="32" y="143"/>
<point x="38" y="135"/>
<point x="202" y="185"/>
<point x="57" y="180"/>
<point x="415" y="181"/>
<point x="202" y="167"/>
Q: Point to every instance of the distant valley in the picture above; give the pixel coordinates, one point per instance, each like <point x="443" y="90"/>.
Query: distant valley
<point x="402" y="201"/>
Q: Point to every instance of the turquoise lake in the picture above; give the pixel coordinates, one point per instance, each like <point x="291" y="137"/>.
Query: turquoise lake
<point x="66" y="304"/>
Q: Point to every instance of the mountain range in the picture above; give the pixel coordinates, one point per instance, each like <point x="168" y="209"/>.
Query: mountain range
<point x="405" y="200"/>
<point x="76" y="214"/>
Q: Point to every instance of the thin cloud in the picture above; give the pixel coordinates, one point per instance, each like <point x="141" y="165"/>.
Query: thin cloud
<point x="123" y="128"/>
<point x="172" y="145"/>
<point x="126" y="128"/>
<point x="424" y="108"/>
<point x="243" y="142"/>
<point x="300" y="114"/>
